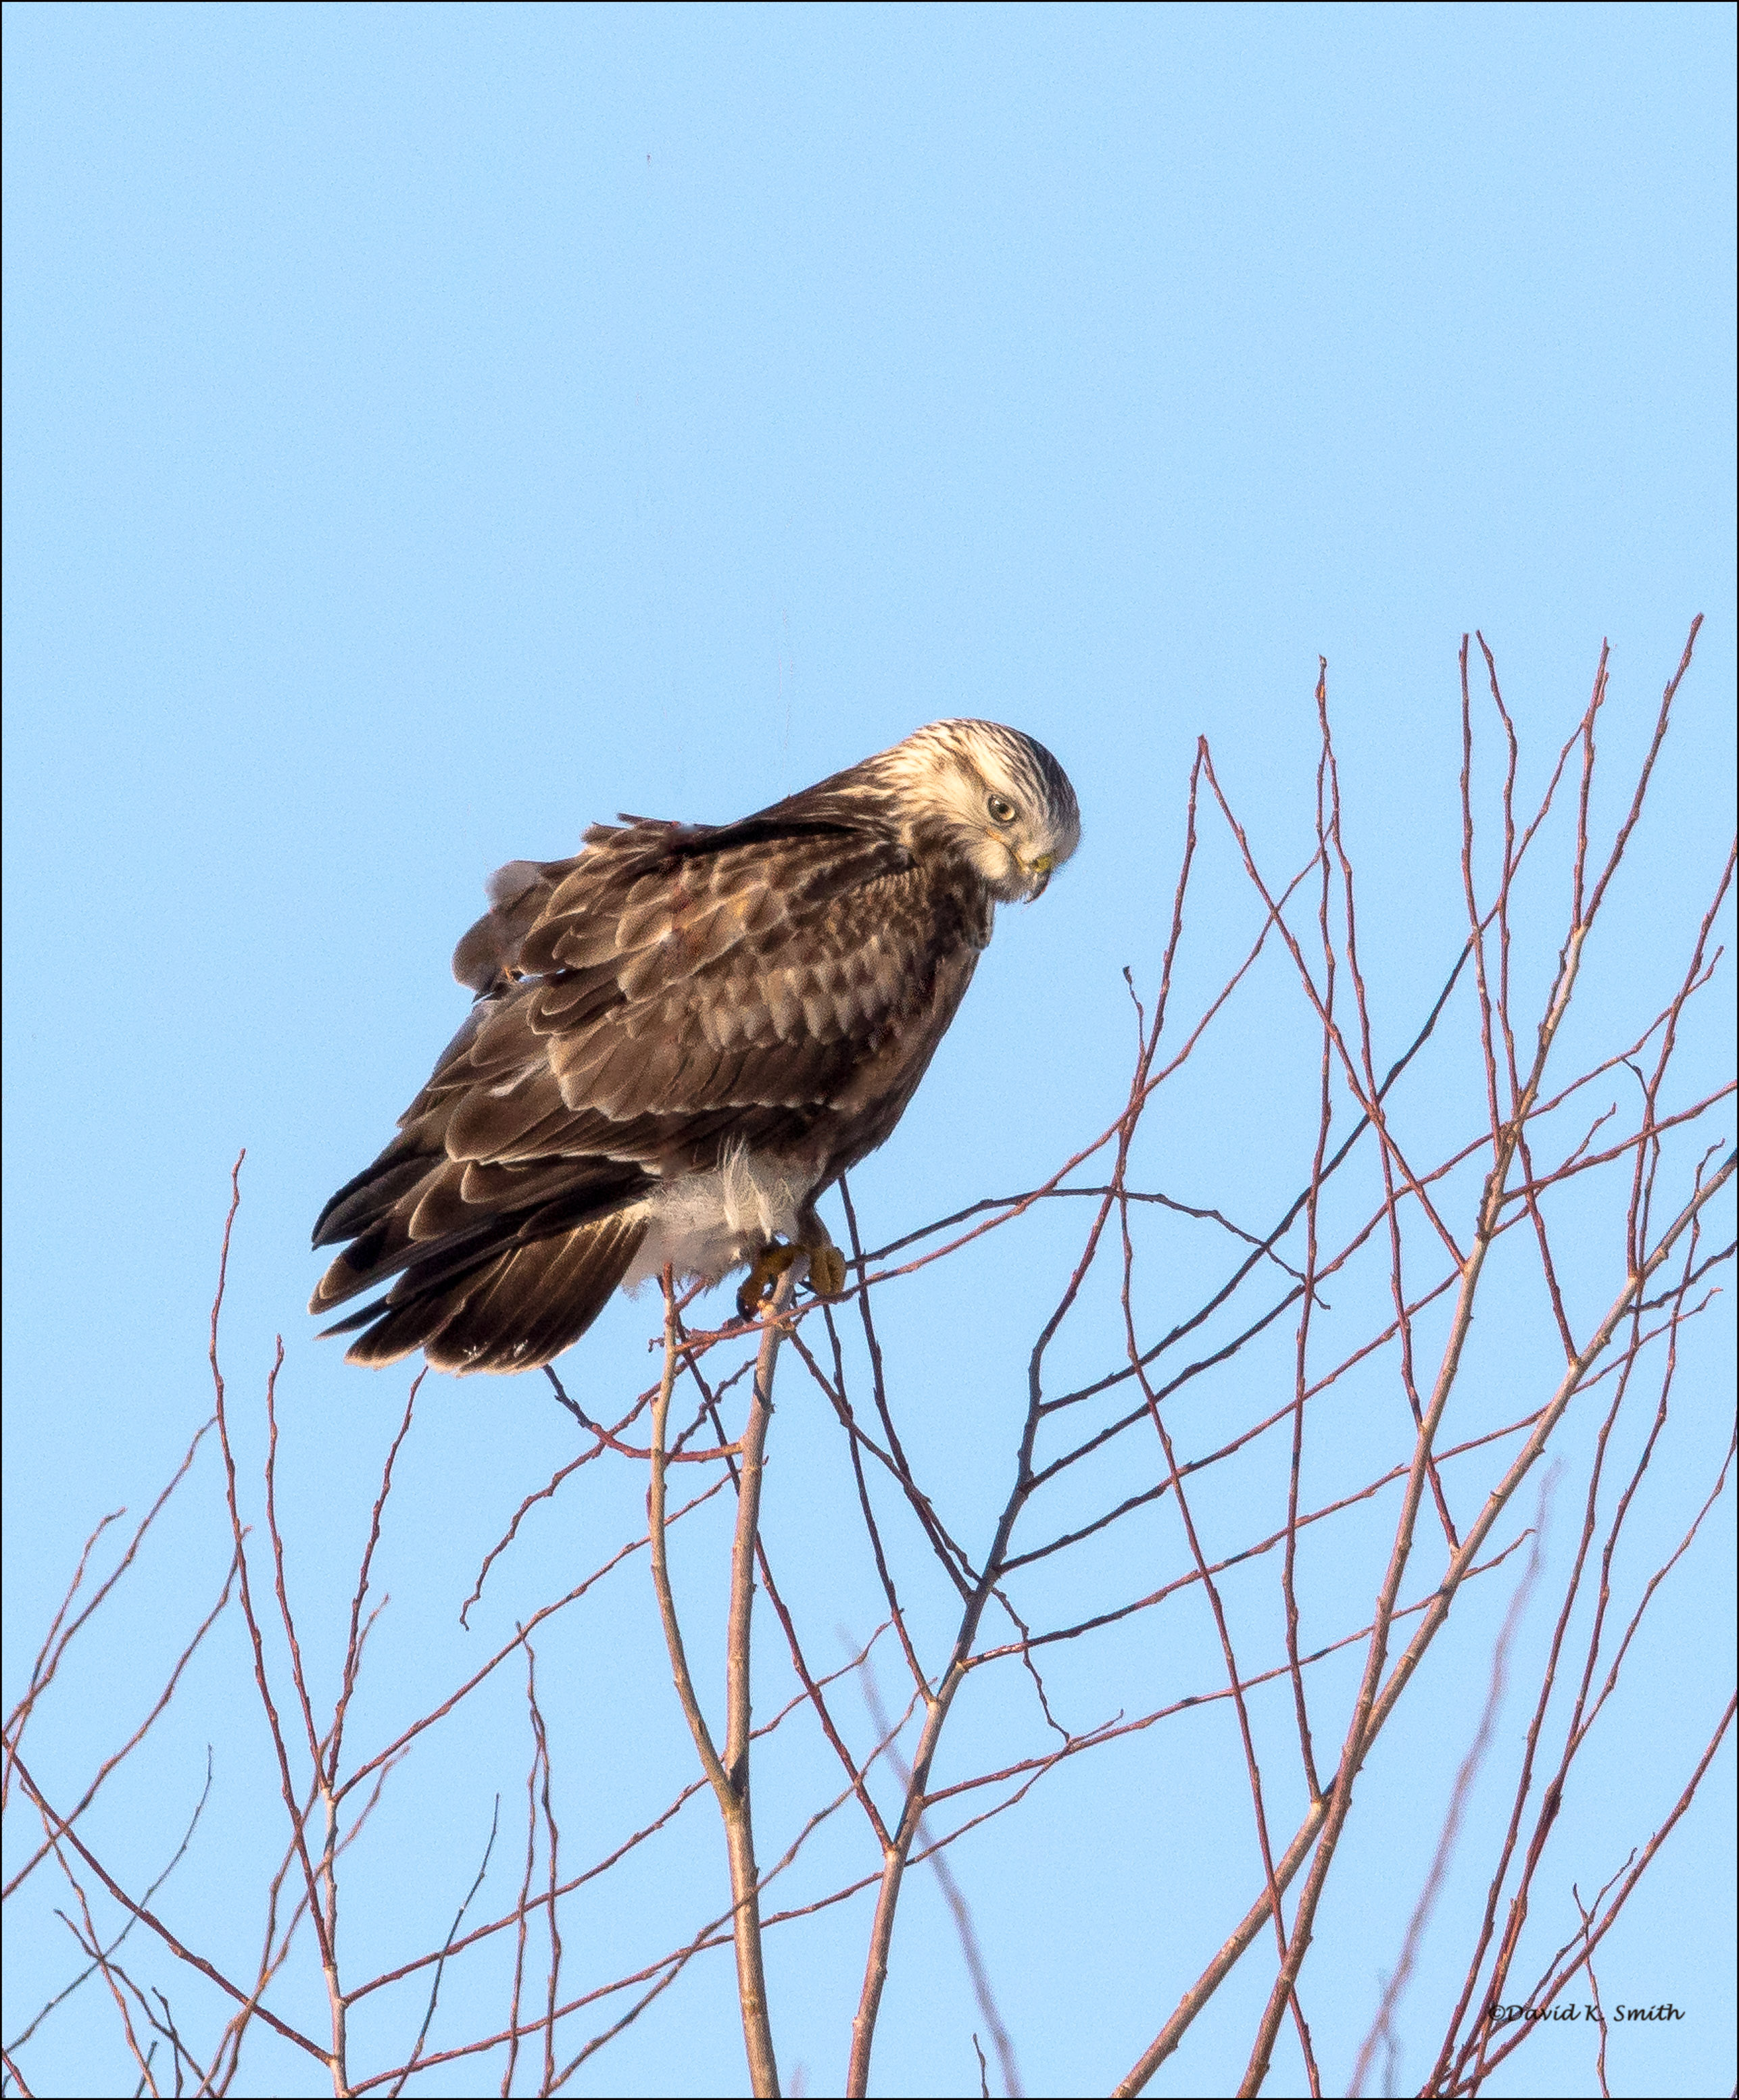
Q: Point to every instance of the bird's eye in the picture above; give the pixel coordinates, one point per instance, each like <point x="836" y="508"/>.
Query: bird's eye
<point x="1001" y="810"/>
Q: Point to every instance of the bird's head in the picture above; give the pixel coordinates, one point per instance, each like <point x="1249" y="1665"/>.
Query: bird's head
<point x="990" y="793"/>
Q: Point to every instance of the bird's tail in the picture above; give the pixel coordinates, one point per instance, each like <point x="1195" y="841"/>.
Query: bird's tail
<point x="514" y="1311"/>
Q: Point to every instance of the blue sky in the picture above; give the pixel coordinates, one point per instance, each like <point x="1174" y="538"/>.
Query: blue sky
<point x="429" y="430"/>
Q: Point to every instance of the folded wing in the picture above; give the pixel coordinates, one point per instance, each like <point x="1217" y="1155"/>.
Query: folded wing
<point x="671" y="993"/>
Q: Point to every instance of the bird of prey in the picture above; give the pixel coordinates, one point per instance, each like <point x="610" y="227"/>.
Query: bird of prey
<point x="681" y="1037"/>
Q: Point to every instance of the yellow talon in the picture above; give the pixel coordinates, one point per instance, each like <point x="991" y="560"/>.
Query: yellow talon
<point x="826" y="1275"/>
<point x="763" y="1280"/>
<point x="827" y="1272"/>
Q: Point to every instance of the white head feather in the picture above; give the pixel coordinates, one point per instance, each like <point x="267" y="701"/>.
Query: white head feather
<point x="1004" y="801"/>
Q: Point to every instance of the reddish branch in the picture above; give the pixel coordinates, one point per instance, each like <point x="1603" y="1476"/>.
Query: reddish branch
<point x="1424" y="1231"/>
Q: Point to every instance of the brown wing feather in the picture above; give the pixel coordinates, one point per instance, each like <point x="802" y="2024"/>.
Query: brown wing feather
<point x="670" y="992"/>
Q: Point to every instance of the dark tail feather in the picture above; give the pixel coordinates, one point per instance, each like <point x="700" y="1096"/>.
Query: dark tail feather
<point x="433" y="1231"/>
<point x="369" y="1195"/>
<point x="512" y="1313"/>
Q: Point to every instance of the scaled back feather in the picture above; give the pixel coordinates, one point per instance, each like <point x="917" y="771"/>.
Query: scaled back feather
<point x="681" y="1036"/>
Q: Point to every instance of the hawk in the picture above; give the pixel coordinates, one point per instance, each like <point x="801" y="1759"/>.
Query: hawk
<point x="681" y="1037"/>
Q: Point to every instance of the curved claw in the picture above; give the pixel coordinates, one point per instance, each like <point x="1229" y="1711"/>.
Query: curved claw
<point x="826" y="1275"/>
<point x="762" y="1279"/>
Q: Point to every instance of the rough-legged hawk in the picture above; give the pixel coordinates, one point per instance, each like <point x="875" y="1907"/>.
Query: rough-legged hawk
<point x="681" y="1036"/>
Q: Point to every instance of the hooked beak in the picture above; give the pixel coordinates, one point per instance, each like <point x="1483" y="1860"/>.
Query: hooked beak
<point x="1041" y="867"/>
